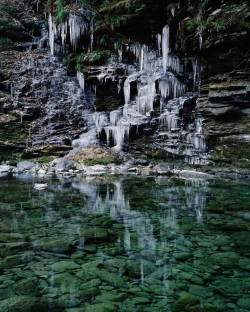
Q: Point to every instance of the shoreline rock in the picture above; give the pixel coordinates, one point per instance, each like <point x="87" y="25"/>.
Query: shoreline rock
<point x="62" y="166"/>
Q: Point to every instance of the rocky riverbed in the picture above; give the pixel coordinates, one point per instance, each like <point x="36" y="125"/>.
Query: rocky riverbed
<point x="124" y="244"/>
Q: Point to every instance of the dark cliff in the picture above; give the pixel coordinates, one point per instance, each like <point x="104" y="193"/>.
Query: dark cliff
<point x="214" y="32"/>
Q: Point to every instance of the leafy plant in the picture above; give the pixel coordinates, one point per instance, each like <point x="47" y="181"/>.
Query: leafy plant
<point x="190" y="25"/>
<point x="60" y="13"/>
<point x="219" y="24"/>
<point x="6" y="44"/>
<point x="93" y="58"/>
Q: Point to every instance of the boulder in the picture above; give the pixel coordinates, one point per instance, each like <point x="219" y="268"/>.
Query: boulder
<point x="26" y="165"/>
<point x="162" y="169"/>
<point x="192" y="174"/>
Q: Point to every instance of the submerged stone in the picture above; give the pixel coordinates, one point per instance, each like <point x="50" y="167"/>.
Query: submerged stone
<point x="64" y="266"/>
<point x="57" y="244"/>
<point x="244" y="302"/>
<point x="107" y="297"/>
<point x="185" y="302"/>
<point x="22" y="304"/>
<point x="224" y="259"/>
<point x="101" y="307"/>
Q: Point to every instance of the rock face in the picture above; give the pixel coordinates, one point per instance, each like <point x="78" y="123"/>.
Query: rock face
<point x="186" y="91"/>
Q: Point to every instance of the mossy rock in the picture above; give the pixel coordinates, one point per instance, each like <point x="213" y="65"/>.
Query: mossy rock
<point x="54" y="244"/>
<point x="97" y="57"/>
<point x="107" y="297"/>
<point x="22" y="304"/>
<point x="185" y="302"/>
<point x="63" y="266"/>
<point x="67" y="281"/>
<point x="11" y="237"/>
<point x="67" y="301"/>
<point x="101" y="307"/>
<point x="224" y="259"/>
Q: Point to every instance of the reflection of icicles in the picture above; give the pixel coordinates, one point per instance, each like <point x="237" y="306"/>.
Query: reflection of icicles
<point x="142" y="272"/>
<point x="127" y="242"/>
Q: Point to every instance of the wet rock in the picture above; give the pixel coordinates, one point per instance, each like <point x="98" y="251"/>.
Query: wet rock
<point x="110" y="278"/>
<point x="162" y="169"/>
<point x="244" y="302"/>
<point x="134" y="268"/>
<point x="96" y="170"/>
<point x="67" y="281"/>
<point x="101" y="307"/>
<point x="90" y="270"/>
<point x="26" y="165"/>
<point x="91" y="284"/>
<point x="67" y="301"/>
<point x="244" y="264"/>
<point x="185" y="302"/>
<point x="54" y="244"/>
<point x="40" y="186"/>
<point x="22" y="304"/>
<point x="27" y="286"/>
<point x="141" y="162"/>
<point x="96" y="234"/>
<point x="62" y="165"/>
<point x="89" y="293"/>
<point x="141" y="300"/>
<point x="224" y="259"/>
<point x="11" y="237"/>
<point x="201" y="291"/>
<point x="182" y="256"/>
<point x="5" y="168"/>
<point x="191" y="174"/>
<point x="12" y="261"/>
<point x="232" y="287"/>
<point x="108" y="296"/>
<point x="62" y="266"/>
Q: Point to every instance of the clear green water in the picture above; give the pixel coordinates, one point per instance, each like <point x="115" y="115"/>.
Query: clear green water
<point x="127" y="244"/>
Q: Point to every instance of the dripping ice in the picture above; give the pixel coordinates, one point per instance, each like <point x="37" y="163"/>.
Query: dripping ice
<point x="155" y="77"/>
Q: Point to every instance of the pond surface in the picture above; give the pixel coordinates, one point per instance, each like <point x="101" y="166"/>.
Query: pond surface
<point x="124" y="244"/>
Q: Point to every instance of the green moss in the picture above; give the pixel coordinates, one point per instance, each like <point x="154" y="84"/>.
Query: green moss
<point x="43" y="159"/>
<point x="60" y="13"/>
<point x="103" y="161"/>
<point x="93" y="58"/>
<point x="6" y="44"/>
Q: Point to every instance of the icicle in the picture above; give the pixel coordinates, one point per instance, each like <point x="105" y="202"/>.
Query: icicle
<point x="114" y="117"/>
<point x="159" y="44"/>
<point x="101" y="120"/>
<point x="165" y="46"/>
<point x="51" y="35"/>
<point x="91" y="35"/>
<point x="81" y="80"/>
<point x="145" y="98"/>
<point x="126" y="89"/>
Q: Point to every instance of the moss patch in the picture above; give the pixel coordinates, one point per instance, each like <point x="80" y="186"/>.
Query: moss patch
<point x="96" y="156"/>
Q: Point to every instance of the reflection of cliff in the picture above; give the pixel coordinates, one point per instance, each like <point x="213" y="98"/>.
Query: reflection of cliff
<point x="113" y="201"/>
